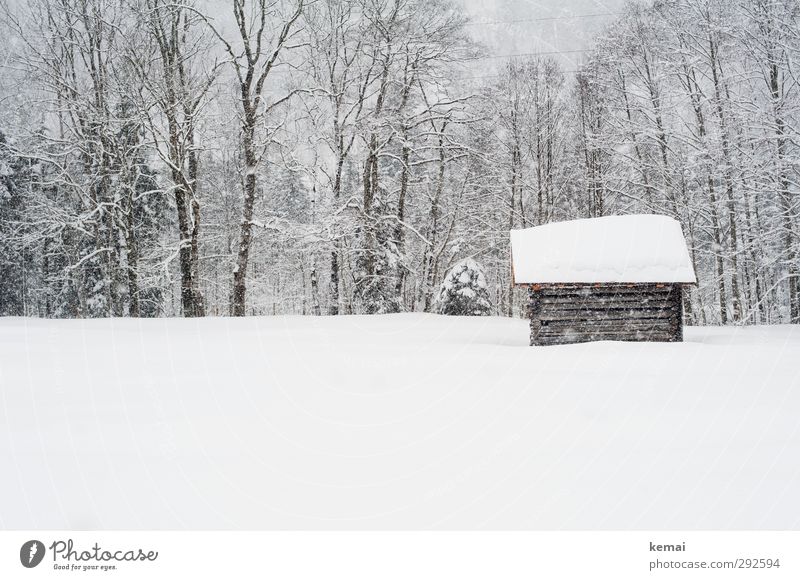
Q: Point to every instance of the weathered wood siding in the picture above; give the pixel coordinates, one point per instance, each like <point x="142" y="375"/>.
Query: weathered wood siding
<point x="569" y="313"/>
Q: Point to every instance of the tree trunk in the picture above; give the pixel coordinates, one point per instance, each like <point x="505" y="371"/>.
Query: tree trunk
<point x="401" y="216"/>
<point x="199" y="308"/>
<point x="333" y="300"/>
<point x="238" y="308"/>
<point x="785" y="198"/>
<point x="431" y="256"/>
<point x="736" y="299"/>
<point x="316" y="310"/>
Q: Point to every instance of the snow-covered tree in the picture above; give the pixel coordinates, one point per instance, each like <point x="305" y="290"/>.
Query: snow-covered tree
<point x="464" y="291"/>
<point x="12" y="259"/>
<point x="344" y="157"/>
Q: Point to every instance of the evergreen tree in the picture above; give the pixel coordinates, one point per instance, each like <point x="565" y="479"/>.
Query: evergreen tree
<point x="464" y="291"/>
<point x="11" y="256"/>
<point x="375" y="273"/>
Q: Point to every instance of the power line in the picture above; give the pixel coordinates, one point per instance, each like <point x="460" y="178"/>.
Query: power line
<point x="542" y="19"/>
<point x="538" y="53"/>
<point x="498" y="75"/>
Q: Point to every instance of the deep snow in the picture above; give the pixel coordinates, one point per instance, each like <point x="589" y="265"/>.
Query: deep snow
<point x="608" y="249"/>
<point x="402" y="421"/>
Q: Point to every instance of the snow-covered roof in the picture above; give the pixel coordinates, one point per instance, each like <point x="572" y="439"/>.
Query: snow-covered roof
<point x="613" y="249"/>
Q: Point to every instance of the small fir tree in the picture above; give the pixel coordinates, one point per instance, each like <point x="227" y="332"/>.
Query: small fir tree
<point x="464" y="291"/>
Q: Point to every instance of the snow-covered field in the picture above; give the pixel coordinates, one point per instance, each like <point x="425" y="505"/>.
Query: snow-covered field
<point x="404" y="421"/>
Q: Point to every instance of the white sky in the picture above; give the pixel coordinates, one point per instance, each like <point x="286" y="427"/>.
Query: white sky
<point x="565" y="28"/>
<point x="516" y="26"/>
<point x="524" y="26"/>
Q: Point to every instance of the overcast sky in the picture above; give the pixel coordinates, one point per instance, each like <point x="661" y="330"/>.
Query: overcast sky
<point x="563" y="27"/>
<point x="523" y="26"/>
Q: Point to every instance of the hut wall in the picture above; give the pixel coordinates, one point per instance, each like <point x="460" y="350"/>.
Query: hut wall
<point x="570" y="313"/>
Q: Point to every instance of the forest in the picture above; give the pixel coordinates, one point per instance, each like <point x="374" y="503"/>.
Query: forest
<point x="323" y="157"/>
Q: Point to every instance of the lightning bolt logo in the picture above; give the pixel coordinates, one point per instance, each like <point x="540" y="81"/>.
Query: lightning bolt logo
<point x="31" y="553"/>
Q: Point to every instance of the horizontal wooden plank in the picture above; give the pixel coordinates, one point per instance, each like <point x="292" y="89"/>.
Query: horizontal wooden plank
<point x="613" y="331"/>
<point x="616" y="286"/>
<point x="605" y="335"/>
<point x="562" y="341"/>
<point x="626" y="299"/>
<point x="562" y="326"/>
<point x="595" y="316"/>
<point x="593" y="304"/>
<point x="599" y="315"/>
<point x="608" y="314"/>
<point x="621" y="299"/>
<point x="592" y="310"/>
<point x="606" y="288"/>
<point x="610" y="300"/>
<point x="610" y="306"/>
<point x="620" y="335"/>
<point x="607" y="328"/>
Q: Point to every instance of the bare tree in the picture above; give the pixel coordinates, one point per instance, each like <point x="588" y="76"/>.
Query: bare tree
<point x="253" y="63"/>
<point x="177" y="88"/>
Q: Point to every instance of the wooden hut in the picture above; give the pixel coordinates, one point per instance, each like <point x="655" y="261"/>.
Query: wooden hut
<point x="608" y="278"/>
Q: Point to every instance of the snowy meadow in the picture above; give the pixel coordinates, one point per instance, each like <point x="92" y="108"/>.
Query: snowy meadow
<point x="407" y="421"/>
